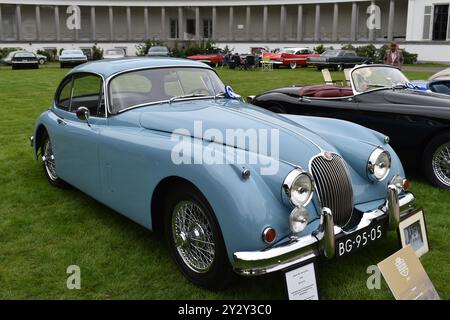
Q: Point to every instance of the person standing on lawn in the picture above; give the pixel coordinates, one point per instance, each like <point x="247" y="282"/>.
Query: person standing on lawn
<point x="394" y="56"/>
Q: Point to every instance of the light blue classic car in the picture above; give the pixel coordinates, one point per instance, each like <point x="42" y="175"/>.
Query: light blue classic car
<point x="232" y="186"/>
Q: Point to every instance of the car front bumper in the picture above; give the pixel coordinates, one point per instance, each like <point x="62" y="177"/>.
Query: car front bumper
<point x="322" y="241"/>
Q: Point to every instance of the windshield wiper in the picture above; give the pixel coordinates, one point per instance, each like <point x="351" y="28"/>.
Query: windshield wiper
<point x="374" y="85"/>
<point x="398" y="86"/>
<point x="192" y="95"/>
<point x="220" y="95"/>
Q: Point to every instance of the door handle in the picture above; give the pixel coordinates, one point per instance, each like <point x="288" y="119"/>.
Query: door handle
<point x="61" y="121"/>
<point x="303" y="99"/>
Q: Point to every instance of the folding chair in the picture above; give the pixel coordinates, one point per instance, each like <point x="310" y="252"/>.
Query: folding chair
<point x="266" y="64"/>
<point x="328" y="80"/>
<point x="249" y="62"/>
<point x="347" y="76"/>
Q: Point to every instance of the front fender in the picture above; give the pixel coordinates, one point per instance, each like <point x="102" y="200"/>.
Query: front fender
<point x="42" y="125"/>
<point x="355" y="143"/>
<point x="244" y="207"/>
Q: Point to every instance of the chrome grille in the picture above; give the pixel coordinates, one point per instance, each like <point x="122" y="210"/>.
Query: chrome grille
<point x="334" y="186"/>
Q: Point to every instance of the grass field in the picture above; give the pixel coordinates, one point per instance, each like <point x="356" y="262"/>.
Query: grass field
<point x="43" y="230"/>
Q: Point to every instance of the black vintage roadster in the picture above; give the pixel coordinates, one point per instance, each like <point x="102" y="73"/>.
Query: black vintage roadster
<point x="381" y="98"/>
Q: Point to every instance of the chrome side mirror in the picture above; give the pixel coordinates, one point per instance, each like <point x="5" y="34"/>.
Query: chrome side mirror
<point x="83" y="114"/>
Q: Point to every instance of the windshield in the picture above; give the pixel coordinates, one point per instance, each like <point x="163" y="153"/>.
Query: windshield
<point x="158" y="49"/>
<point x="288" y="51"/>
<point x="67" y="52"/>
<point x="148" y="86"/>
<point x="370" y="78"/>
<point x="330" y="53"/>
<point x="24" y="55"/>
<point x="114" y="51"/>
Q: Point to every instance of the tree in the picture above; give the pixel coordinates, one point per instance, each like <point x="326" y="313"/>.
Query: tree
<point x="97" y="53"/>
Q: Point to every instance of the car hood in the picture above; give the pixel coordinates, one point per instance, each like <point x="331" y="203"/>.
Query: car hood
<point x="158" y="54"/>
<point x="113" y="56"/>
<point x="416" y="97"/>
<point x="296" y="143"/>
<point x="68" y="56"/>
<point x="271" y="55"/>
<point x="275" y="56"/>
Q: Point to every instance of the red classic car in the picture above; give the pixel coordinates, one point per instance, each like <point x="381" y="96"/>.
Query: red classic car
<point x="291" y="57"/>
<point x="214" y="58"/>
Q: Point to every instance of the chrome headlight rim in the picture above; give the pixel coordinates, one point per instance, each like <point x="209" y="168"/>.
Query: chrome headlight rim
<point x="289" y="182"/>
<point x="372" y="163"/>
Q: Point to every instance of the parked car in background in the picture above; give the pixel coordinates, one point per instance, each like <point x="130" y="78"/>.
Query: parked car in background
<point x="72" y="57"/>
<point x="135" y="149"/>
<point x="213" y="58"/>
<point x="24" y="60"/>
<point x="337" y="59"/>
<point x="383" y="99"/>
<point x="41" y="58"/>
<point x="115" y="53"/>
<point x="291" y="57"/>
<point x="159" y="51"/>
<point x="439" y="82"/>
<point x="7" y="60"/>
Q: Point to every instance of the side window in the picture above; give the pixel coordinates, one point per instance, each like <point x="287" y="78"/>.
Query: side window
<point x="63" y="100"/>
<point x="87" y="92"/>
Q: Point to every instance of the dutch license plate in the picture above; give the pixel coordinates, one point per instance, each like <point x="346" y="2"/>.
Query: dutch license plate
<point x="360" y="239"/>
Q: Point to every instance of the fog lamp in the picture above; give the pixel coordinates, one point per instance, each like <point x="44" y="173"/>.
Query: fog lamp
<point x="298" y="219"/>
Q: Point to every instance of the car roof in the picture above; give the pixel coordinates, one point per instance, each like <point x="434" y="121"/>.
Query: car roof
<point x="296" y="48"/>
<point x="107" y="68"/>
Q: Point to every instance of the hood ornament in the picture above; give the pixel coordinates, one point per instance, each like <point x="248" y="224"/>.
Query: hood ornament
<point x="328" y="155"/>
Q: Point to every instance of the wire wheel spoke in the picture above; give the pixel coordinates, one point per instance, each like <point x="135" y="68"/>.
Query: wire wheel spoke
<point x="441" y="163"/>
<point x="49" y="161"/>
<point x="193" y="236"/>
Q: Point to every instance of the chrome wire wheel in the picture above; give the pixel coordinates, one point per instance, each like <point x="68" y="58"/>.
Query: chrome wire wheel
<point x="193" y="236"/>
<point x="49" y="161"/>
<point x="441" y="163"/>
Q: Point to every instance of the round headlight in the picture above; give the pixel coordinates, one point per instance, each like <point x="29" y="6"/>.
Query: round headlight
<point x="299" y="187"/>
<point x="298" y="219"/>
<point x="379" y="164"/>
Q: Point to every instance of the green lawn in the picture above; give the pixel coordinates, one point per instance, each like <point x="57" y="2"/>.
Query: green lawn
<point x="43" y="230"/>
<point x="429" y="64"/>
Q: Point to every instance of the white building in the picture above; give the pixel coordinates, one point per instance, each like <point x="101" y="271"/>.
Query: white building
<point x="420" y="26"/>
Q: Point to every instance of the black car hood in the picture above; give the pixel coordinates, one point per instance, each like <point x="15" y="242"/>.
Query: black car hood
<point x="414" y="97"/>
<point x="292" y="91"/>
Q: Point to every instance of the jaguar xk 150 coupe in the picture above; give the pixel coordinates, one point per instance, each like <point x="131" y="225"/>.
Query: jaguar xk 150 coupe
<point x="145" y="136"/>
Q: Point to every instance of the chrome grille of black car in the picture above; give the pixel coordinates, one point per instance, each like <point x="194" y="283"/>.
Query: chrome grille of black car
<point x="334" y="186"/>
